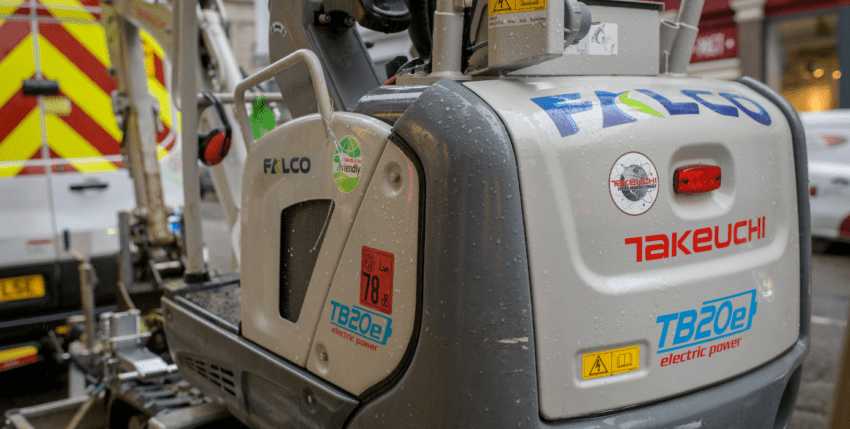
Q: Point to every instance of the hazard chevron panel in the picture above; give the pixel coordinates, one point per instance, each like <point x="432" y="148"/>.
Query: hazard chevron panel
<point x="80" y="132"/>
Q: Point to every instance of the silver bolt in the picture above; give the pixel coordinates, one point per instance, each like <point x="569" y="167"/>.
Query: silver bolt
<point x="395" y="177"/>
<point x="349" y="21"/>
<point x="324" y="18"/>
<point x="323" y="356"/>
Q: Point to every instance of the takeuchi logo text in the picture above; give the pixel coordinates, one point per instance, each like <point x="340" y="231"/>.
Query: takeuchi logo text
<point x="561" y="108"/>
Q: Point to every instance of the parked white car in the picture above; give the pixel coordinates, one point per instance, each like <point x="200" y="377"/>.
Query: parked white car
<point x="828" y="139"/>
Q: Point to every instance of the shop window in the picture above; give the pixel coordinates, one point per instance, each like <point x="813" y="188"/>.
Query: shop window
<point x="802" y="61"/>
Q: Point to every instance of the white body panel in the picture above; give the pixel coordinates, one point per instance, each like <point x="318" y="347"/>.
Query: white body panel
<point x="623" y="41"/>
<point x="593" y="292"/>
<point x="91" y="215"/>
<point x="27" y="234"/>
<point x="356" y="357"/>
<point x="39" y="205"/>
<point x="265" y="196"/>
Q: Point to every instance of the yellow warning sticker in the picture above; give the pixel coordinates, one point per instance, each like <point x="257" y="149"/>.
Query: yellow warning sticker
<point x="610" y="362"/>
<point x="510" y="6"/>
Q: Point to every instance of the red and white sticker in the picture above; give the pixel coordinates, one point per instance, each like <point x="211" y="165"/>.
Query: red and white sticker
<point x="633" y="183"/>
<point x="376" y="280"/>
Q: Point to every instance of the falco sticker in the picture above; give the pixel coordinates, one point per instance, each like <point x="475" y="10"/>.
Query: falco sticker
<point x="633" y="183"/>
<point x="347" y="163"/>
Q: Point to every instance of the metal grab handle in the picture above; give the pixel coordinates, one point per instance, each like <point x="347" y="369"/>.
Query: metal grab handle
<point x="88" y="185"/>
<point x="323" y="98"/>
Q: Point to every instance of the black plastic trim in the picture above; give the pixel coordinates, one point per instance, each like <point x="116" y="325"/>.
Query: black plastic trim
<point x="651" y="5"/>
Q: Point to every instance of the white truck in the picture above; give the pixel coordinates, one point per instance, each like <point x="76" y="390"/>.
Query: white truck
<point x="61" y="175"/>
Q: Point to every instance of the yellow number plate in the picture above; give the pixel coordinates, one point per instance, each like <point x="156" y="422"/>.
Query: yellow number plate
<point x="610" y="362"/>
<point x="17" y="288"/>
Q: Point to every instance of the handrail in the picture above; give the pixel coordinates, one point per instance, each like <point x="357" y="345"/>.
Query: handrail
<point x="323" y="98"/>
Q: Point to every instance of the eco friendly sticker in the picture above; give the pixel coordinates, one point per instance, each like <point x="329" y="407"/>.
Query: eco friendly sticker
<point x="347" y="164"/>
<point x="610" y="362"/>
<point x="633" y="183"/>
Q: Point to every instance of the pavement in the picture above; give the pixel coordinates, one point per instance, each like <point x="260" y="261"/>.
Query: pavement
<point x="830" y="292"/>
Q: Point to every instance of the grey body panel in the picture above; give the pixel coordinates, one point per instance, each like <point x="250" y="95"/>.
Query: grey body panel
<point x="349" y="71"/>
<point x="474" y="365"/>
<point x="259" y="388"/>
<point x="388" y="103"/>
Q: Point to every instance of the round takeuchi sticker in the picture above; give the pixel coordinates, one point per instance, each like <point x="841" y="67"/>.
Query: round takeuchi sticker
<point x="347" y="163"/>
<point x="633" y="183"/>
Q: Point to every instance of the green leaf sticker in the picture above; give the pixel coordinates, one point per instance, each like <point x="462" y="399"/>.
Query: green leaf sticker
<point x="347" y="164"/>
<point x="262" y="119"/>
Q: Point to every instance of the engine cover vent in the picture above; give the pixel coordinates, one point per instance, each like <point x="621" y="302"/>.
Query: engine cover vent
<point x="215" y="374"/>
<point x="301" y="228"/>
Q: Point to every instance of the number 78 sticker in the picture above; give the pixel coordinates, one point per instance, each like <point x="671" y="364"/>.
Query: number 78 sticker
<point x="376" y="279"/>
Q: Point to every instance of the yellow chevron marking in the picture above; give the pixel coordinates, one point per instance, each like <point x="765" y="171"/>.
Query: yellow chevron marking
<point x="20" y="145"/>
<point x="6" y="9"/>
<point x="78" y="87"/>
<point x="151" y="42"/>
<point x="150" y="67"/>
<point x="92" y="37"/>
<point x="68" y="144"/>
<point x="157" y="90"/>
<point x="68" y="9"/>
<point x="160" y="152"/>
<point x="16" y="67"/>
<point x="155" y="87"/>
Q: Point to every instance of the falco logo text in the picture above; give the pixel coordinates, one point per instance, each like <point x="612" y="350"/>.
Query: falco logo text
<point x="296" y="165"/>
<point x="560" y="108"/>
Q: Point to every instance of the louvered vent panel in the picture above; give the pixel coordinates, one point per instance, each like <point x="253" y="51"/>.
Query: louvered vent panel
<point x="301" y="228"/>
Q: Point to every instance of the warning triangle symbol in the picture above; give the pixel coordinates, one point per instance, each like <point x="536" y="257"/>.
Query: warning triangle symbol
<point x="598" y="367"/>
<point x="501" y="6"/>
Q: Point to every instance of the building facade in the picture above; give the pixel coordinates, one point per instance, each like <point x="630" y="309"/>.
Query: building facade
<point x="800" y="48"/>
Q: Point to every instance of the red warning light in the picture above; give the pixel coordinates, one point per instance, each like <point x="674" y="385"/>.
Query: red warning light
<point x="813" y="191"/>
<point x="696" y="179"/>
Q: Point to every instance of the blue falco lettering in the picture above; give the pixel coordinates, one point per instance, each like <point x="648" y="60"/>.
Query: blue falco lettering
<point x="719" y="108"/>
<point x="559" y="109"/>
<point x="673" y="108"/>
<point x="611" y="114"/>
<point x="761" y="116"/>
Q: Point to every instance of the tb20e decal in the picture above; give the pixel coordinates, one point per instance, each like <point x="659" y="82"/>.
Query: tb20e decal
<point x="560" y="108"/>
